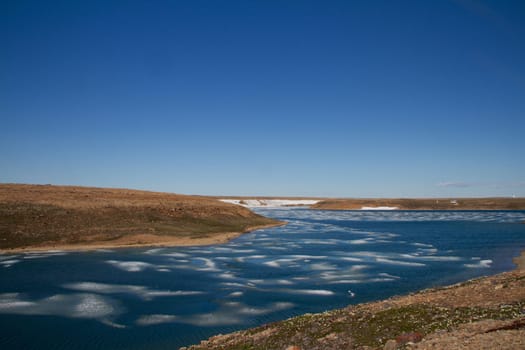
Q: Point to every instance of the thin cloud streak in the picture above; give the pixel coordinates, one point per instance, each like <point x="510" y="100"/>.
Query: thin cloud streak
<point x="460" y="184"/>
<point x="453" y="184"/>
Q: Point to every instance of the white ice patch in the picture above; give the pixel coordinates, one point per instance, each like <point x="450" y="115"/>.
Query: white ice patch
<point x="7" y="257"/>
<point x="351" y="259"/>
<point x="348" y="281"/>
<point x="176" y="255"/>
<point x="131" y="266"/>
<point x="424" y="245"/>
<point x="322" y="266"/>
<point x="90" y="306"/>
<point x="154" y="251"/>
<point x="430" y="258"/>
<point x="322" y="241"/>
<point x="242" y="259"/>
<point x="136" y="290"/>
<point x="398" y="262"/>
<point x="149" y="320"/>
<point x="234" y="284"/>
<point x="301" y="278"/>
<point x="226" y="275"/>
<point x="362" y="241"/>
<point x="311" y="257"/>
<point x="351" y="273"/>
<point x="284" y="282"/>
<point x="208" y="264"/>
<point x="44" y="254"/>
<point x="319" y="292"/>
<point x="232" y="313"/>
<point x="429" y="251"/>
<point x="274" y="263"/>
<point x="479" y="264"/>
<point x="256" y="257"/>
<point x="9" y="263"/>
<point x="233" y="250"/>
<point x="112" y="324"/>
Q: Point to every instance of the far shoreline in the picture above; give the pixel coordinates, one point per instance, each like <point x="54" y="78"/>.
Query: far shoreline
<point x="142" y="241"/>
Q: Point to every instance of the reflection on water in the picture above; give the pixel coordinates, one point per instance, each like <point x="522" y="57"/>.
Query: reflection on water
<point x="169" y="297"/>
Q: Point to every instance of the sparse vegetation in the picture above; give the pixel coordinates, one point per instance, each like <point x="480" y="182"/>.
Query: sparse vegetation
<point x="399" y="320"/>
<point x="33" y="216"/>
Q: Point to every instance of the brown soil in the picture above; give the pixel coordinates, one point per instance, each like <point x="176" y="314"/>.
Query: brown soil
<point x="520" y="261"/>
<point x="486" y="313"/>
<point x="36" y="217"/>
<point x="425" y="204"/>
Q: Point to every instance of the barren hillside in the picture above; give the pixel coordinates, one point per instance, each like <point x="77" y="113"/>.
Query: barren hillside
<point x="42" y="216"/>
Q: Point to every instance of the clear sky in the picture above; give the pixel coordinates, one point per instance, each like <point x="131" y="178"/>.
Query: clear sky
<point x="272" y="97"/>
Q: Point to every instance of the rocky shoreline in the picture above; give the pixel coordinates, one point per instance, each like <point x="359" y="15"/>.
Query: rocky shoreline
<point x="484" y="313"/>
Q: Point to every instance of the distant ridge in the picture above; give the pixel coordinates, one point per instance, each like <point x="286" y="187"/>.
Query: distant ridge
<point x="497" y="203"/>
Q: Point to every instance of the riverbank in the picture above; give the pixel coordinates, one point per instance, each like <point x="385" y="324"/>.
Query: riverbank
<point x="38" y="217"/>
<point x="142" y="241"/>
<point x="487" y="312"/>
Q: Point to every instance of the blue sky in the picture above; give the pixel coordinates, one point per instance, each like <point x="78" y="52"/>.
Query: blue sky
<point x="307" y="98"/>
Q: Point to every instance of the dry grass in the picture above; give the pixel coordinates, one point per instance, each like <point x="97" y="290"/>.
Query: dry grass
<point x="50" y="216"/>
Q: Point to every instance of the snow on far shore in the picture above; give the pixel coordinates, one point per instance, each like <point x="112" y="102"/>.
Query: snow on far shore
<point x="272" y="203"/>
<point x="379" y="208"/>
<point x="277" y="203"/>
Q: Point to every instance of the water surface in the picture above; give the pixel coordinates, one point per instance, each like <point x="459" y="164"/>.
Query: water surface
<point x="170" y="297"/>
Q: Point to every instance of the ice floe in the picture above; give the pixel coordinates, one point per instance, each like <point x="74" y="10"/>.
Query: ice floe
<point x="9" y="263"/>
<point x="232" y="313"/>
<point x="82" y="305"/>
<point x="430" y="257"/>
<point x="479" y="264"/>
<point x="44" y="254"/>
<point x="142" y="292"/>
<point x="323" y="266"/>
<point x="398" y="262"/>
<point x="131" y="266"/>
<point x="319" y="292"/>
<point x="150" y="320"/>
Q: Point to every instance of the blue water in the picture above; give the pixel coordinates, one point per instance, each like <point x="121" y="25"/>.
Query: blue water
<point x="171" y="297"/>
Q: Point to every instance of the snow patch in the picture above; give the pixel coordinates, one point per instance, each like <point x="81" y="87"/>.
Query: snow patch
<point x="271" y="203"/>
<point x="379" y="208"/>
